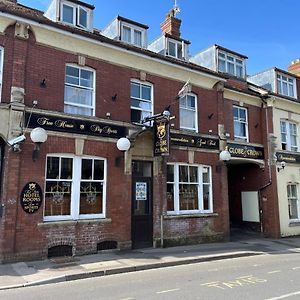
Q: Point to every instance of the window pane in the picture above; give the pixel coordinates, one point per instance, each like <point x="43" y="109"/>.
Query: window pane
<point x="222" y="65"/>
<point x="206" y="175"/>
<point x="58" y="198"/>
<point x="91" y="197"/>
<point x="291" y="90"/>
<point x="78" y="96"/>
<point x="187" y="119"/>
<point x="179" y="51"/>
<point x="82" y="17"/>
<point x="239" y="71"/>
<point x="242" y="115"/>
<point x="86" y="169"/>
<point x="230" y="68"/>
<point x="191" y="102"/>
<point x="172" y="49"/>
<point x="293" y="209"/>
<point x="98" y="169"/>
<point x="136" y="116"/>
<point x="236" y="113"/>
<point x="126" y="34"/>
<point x="193" y="174"/>
<point x="67" y="15"/>
<point x="138" y="38"/>
<point x="170" y="173"/>
<point x="146" y="92"/>
<point x="170" y="197"/>
<point x="86" y="79"/>
<point x="183" y="173"/>
<point x="188" y="197"/>
<point x="135" y="90"/>
<point x="52" y="168"/>
<point x="206" y="197"/>
<point x="66" y="168"/>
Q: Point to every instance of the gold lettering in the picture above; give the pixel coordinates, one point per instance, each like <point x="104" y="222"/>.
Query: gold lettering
<point x="44" y="121"/>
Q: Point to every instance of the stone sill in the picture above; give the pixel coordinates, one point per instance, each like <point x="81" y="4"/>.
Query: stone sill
<point x="188" y="216"/>
<point x="74" y="222"/>
<point x="294" y="223"/>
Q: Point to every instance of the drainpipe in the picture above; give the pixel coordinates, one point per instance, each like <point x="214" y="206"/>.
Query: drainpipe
<point x="162" y="231"/>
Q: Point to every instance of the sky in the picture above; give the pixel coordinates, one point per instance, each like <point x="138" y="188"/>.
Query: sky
<point x="266" y="31"/>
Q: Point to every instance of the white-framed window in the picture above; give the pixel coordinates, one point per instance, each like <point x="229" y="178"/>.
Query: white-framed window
<point x="288" y="136"/>
<point x="240" y="121"/>
<point x="189" y="189"/>
<point x="188" y="112"/>
<point x="79" y="91"/>
<point x="1" y="69"/>
<point x="75" y="15"/>
<point x="175" y="48"/>
<point x="75" y="187"/>
<point x="230" y="64"/>
<point x="286" y="85"/>
<point x="132" y="35"/>
<point x="141" y="98"/>
<point x="293" y="201"/>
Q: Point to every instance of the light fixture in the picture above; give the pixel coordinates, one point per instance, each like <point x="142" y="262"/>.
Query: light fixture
<point x="281" y="167"/>
<point x="225" y="155"/>
<point x="38" y="136"/>
<point x="123" y="144"/>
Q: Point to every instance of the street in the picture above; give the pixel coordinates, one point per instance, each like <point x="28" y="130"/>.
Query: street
<point x="271" y="277"/>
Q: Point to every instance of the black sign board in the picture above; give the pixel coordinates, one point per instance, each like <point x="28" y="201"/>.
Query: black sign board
<point x="288" y="157"/>
<point x="31" y="197"/>
<point x="75" y="126"/>
<point x="194" y="141"/>
<point x="245" y="151"/>
<point x="161" y="137"/>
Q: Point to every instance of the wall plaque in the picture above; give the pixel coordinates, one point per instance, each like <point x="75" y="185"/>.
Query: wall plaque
<point x="31" y="197"/>
<point x="75" y="126"/>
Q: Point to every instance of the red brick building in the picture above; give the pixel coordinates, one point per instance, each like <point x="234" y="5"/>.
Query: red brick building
<point x="78" y="193"/>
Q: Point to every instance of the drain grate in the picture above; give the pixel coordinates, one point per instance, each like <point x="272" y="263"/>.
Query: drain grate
<point x="107" y="245"/>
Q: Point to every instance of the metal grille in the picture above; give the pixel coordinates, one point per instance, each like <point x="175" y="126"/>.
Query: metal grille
<point x="107" y="245"/>
<point x="58" y="251"/>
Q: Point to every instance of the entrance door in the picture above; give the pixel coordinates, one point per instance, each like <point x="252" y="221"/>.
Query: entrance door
<point x="142" y="223"/>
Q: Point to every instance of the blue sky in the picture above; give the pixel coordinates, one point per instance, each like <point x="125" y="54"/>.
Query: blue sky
<point x="267" y="31"/>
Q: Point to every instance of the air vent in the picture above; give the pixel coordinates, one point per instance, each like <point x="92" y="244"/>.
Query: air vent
<point x="107" y="245"/>
<point x="59" y="251"/>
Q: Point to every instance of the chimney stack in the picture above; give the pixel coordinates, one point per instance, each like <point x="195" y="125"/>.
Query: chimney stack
<point x="171" y="25"/>
<point x="294" y="67"/>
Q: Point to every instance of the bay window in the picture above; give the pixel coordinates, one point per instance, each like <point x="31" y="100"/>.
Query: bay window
<point x="79" y="91"/>
<point x="75" y="187"/>
<point x="189" y="189"/>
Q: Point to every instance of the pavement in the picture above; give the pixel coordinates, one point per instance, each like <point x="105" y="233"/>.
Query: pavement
<point x="61" y="269"/>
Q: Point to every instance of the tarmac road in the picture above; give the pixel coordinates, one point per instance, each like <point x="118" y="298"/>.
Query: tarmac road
<point x="270" y="276"/>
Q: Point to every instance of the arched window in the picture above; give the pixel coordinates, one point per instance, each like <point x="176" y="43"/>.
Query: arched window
<point x="188" y="112"/>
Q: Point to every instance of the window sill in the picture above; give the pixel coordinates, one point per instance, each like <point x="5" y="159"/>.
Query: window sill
<point x="294" y="223"/>
<point x="186" y="216"/>
<point x="73" y="222"/>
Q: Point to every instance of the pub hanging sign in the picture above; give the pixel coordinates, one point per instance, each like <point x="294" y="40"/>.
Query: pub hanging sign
<point x="31" y="197"/>
<point x="161" y="137"/>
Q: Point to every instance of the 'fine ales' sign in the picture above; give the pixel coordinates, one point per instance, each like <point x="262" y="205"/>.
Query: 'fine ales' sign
<point x="31" y="197"/>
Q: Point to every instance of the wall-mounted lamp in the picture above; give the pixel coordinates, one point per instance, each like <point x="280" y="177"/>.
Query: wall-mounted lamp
<point x="123" y="144"/>
<point x="43" y="83"/>
<point x="281" y="167"/>
<point x="38" y="136"/>
<point x="225" y="155"/>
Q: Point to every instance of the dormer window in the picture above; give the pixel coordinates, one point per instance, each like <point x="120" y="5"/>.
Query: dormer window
<point x="175" y="49"/>
<point x="76" y="15"/>
<point x="132" y="35"/>
<point x="230" y="64"/>
<point x="286" y="85"/>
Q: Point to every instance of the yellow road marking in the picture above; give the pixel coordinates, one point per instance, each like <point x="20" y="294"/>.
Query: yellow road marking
<point x="167" y="291"/>
<point x="285" y="296"/>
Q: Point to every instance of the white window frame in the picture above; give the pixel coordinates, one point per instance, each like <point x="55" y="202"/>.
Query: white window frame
<point x="76" y="15"/>
<point x="234" y="62"/>
<point x="285" y="130"/>
<point x="1" y="70"/>
<point x="280" y="82"/>
<point x="133" y="28"/>
<point x="176" y="43"/>
<point x="291" y="197"/>
<point x="75" y="191"/>
<point x="140" y="99"/>
<point x="189" y="109"/>
<point x="200" y="184"/>
<point x="236" y="137"/>
<point x="92" y="107"/>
